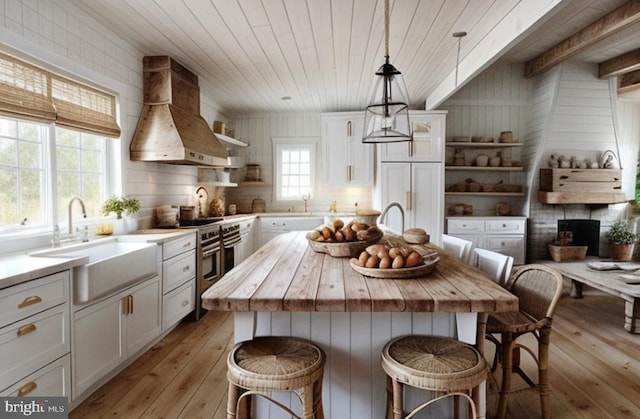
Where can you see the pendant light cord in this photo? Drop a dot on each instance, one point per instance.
(386, 29)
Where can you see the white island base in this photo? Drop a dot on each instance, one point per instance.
(354, 384)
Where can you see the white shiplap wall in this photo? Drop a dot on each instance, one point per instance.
(573, 114)
(64, 39)
(566, 110)
(258, 130)
(495, 101)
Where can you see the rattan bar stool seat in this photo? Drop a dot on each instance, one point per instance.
(275, 363)
(435, 363)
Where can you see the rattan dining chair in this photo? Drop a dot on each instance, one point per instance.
(269, 364)
(455, 246)
(538, 289)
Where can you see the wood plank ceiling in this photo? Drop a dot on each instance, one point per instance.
(249, 54)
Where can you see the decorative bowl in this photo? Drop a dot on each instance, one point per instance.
(342, 249)
(430, 262)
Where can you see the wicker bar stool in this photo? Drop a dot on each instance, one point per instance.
(275, 363)
(440, 364)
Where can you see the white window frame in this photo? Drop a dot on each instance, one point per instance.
(48, 193)
(280, 143)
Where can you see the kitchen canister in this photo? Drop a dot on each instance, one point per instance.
(232, 209)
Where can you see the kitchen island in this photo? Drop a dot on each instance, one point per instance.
(285, 288)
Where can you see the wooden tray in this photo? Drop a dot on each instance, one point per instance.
(342, 249)
(401, 273)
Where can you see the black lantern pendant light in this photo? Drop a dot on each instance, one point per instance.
(386, 119)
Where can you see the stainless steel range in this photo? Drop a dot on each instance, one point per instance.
(230, 239)
(209, 262)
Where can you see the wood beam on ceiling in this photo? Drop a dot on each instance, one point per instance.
(619, 65)
(609, 24)
(629, 82)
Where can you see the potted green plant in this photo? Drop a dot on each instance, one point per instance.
(120, 205)
(621, 241)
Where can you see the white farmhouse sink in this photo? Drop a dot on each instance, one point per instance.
(105, 266)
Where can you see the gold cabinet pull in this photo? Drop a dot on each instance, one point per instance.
(410, 148)
(126, 305)
(186, 268)
(348, 128)
(34, 299)
(26, 329)
(409, 201)
(349, 172)
(130, 297)
(27, 388)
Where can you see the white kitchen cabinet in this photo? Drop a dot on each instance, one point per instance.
(270, 227)
(179, 271)
(506, 235)
(52, 380)
(34, 332)
(111, 330)
(412, 174)
(428, 140)
(247, 244)
(348, 162)
(418, 187)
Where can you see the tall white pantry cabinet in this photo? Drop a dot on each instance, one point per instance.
(412, 174)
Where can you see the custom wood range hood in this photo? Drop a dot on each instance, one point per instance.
(170, 128)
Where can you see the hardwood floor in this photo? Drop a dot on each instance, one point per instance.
(595, 370)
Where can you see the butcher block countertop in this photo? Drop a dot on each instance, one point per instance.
(287, 275)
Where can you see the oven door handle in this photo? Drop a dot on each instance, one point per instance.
(210, 252)
(232, 242)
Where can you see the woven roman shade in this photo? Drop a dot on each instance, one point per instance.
(29, 91)
(25, 90)
(79, 106)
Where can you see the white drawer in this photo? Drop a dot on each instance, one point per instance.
(503, 243)
(23, 300)
(29, 344)
(178, 270)
(505, 226)
(177, 246)
(52, 380)
(465, 226)
(177, 304)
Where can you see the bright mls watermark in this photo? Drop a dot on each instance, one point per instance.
(34, 407)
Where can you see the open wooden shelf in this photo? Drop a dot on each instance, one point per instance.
(461, 144)
(255, 184)
(486, 169)
(484, 193)
(581, 197)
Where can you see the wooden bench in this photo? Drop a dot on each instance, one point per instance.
(608, 281)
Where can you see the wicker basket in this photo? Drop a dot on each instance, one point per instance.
(562, 253)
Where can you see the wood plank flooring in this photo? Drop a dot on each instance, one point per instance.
(595, 370)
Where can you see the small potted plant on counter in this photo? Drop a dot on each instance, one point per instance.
(621, 241)
(120, 206)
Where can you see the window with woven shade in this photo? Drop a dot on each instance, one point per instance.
(28, 91)
(54, 144)
(25, 90)
(84, 108)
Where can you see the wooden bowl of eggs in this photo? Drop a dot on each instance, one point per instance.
(340, 240)
(393, 262)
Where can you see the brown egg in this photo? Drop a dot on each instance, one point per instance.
(414, 259)
(349, 235)
(385, 262)
(394, 251)
(362, 260)
(372, 262)
(326, 233)
(398, 262)
(339, 236)
(383, 253)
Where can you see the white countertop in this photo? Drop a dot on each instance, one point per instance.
(20, 267)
